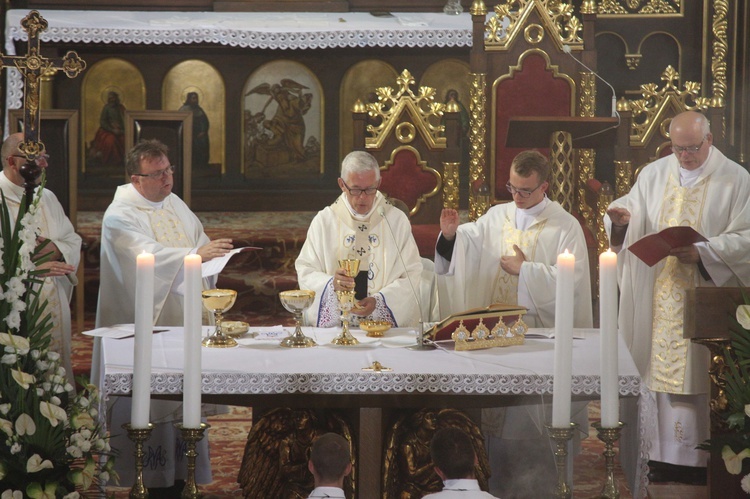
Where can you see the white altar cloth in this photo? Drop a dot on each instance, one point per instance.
(262, 367)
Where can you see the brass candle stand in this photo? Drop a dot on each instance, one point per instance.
(138, 436)
(561, 437)
(609, 436)
(191, 436)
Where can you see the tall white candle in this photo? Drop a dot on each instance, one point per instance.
(191, 388)
(608, 337)
(144, 326)
(563, 371)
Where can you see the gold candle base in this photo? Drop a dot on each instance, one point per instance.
(609, 436)
(138, 436)
(191, 436)
(561, 437)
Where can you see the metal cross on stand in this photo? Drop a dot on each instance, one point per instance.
(32, 67)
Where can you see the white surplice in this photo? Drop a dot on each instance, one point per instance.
(474, 278)
(170, 231)
(335, 234)
(56, 227)
(715, 200)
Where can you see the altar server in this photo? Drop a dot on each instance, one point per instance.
(509, 255)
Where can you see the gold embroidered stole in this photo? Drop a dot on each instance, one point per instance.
(506, 285)
(669, 350)
(168, 229)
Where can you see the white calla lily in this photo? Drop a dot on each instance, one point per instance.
(54, 413)
(22, 378)
(36, 463)
(25, 425)
(732, 461)
(743, 316)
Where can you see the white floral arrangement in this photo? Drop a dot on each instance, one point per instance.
(734, 445)
(51, 444)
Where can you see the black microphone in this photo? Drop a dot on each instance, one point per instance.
(420, 338)
(615, 114)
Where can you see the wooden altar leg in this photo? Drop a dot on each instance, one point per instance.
(370, 451)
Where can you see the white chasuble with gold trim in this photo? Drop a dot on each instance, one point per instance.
(506, 288)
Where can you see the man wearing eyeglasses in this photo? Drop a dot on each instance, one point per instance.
(361, 224)
(509, 255)
(59, 271)
(146, 216)
(700, 187)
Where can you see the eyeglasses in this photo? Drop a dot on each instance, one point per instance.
(690, 150)
(44, 157)
(358, 192)
(524, 193)
(158, 174)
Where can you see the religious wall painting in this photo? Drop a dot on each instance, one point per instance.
(196, 86)
(175, 130)
(110, 87)
(282, 128)
(359, 83)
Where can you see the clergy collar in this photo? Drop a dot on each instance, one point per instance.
(461, 484)
(536, 209)
(155, 205)
(688, 178)
(358, 217)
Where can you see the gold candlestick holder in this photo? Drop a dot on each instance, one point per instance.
(191, 436)
(561, 437)
(609, 436)
(138, 436)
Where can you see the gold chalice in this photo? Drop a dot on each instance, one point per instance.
(346, 303)
(219, 301)
(296, 301)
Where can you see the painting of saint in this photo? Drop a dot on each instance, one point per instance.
(201, 144)
(108, 147)
(282, 123)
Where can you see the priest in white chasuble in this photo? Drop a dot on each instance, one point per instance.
(509, 255)
(361, 224)
(697, 186)
(59, 271)
(146, 216)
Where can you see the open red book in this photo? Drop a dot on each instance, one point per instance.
(652, 248)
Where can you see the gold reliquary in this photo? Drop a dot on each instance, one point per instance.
(497, 325)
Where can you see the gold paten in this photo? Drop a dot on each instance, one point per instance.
(425, 112)
(375, 329)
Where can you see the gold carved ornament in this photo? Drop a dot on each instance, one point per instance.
(450, 185)
(639, 7)
(659, 105)
(477, 136)
(424, 111)
(510, 20)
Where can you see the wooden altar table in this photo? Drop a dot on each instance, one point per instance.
(259, 373)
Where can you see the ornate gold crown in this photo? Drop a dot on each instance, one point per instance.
(481, 337)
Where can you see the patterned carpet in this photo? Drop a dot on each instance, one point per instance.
(259, 276)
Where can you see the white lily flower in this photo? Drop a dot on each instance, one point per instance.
(745, 483)
(53, 413)
(6, 427)
(4, 409)
(732, 461)
(22, 378)
(14, 340)
(25, 425)
(743, 316)
(11, 494)
(36, 463)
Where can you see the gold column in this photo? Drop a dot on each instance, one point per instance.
(720, 47)
(477, 137)
(623, 177)
(450, 185)
(561, 159)
(586, 157)
(603, 200)
(46, 88)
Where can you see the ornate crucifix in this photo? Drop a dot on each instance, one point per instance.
(32, 67)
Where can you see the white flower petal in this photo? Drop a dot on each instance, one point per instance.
(25, 425)
(743, 316)
(35, 463)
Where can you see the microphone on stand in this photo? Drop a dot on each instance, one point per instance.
(615, 114)
(420, 345)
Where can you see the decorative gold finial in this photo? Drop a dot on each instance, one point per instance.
(588, 7)
(478, 8)
(359, 107)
